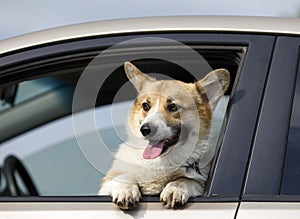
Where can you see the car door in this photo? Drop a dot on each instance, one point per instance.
(222, 196)
(272, 182)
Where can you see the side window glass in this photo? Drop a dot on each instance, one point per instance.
(31, 89)
(291, 171)
(18, 93)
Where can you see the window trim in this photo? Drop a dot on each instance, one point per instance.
(232, 154)
(286, 153)
(100, 199)
(271, 136)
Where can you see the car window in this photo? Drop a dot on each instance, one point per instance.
(39, 127)
(30, 89)
(291, 170)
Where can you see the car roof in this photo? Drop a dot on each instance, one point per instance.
(266, 25)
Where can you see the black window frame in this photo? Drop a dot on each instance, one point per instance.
(264, 177)
(226, 182)
(287, 185)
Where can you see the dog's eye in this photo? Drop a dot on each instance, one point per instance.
(172, 107)
(146, 106)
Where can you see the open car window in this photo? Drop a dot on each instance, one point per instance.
(39, 127)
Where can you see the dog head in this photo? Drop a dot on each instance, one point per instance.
(167, 112)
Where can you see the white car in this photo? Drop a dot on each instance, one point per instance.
(65, 99)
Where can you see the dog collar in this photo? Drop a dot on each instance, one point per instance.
(193, 172)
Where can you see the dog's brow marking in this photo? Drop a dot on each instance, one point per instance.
(155, 110)
(156, 107)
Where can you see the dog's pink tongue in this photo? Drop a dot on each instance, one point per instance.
(153, 151)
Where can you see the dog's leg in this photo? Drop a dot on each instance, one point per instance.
(124, 191)
(179, 191)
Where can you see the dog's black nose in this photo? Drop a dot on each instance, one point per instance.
(145, 130)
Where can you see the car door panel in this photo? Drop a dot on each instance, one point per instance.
(274, 210)
(109, 210)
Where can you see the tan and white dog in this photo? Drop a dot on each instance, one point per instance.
(169, 127)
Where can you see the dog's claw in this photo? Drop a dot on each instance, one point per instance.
(177, 204)
(120, 204)
(126, 205)
(130, 205)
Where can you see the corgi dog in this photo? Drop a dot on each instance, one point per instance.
(168, 130)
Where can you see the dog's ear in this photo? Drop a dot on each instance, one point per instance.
(213, 86)
(135, 76)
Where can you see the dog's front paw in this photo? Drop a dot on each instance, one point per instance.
(174, 195)
(126, 196)
(178, 192)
